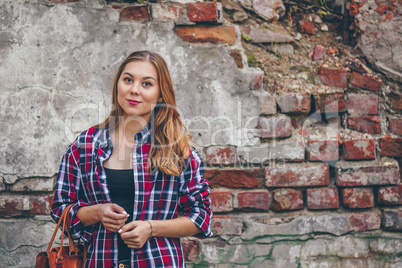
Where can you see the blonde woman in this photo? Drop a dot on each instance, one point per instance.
(135, 180)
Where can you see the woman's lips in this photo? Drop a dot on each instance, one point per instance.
(133, 102)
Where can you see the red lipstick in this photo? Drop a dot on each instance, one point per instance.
(133, 102)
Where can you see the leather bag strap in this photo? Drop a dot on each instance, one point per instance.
(62, 219)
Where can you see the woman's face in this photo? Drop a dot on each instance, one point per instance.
(138, 90)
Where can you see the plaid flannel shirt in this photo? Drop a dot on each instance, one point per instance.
(157, 196)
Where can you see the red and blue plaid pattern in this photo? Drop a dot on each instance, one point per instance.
(157, 196)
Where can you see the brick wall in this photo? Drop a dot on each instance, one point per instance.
(322, 186)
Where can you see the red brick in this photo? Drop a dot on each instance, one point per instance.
(379, 172)
(233, 178)
(165, 12)
(254, 200)
(395, 126)
(322, 198)
(307, 27)
(11, 207)
(358, 197)
(41, 205)
(275, 127)
(135, 13)
(291, 175)
(325, 151)
(330, 102)
(202, 12)
(226, 225)
(366, 124)
(256, 76)
(221, 201)
(395, 100)
(207, 34)
(319, 52)
(391, 147)
(333, 77)
(362, 104)
(359, 149)
(364, 81)
(221, 155)
(238, 57)
(390, 195)
(190, 250)
(17, 206)
(294, 103)
(365, 221)
(287, 199)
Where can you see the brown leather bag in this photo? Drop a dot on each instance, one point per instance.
(63, 256)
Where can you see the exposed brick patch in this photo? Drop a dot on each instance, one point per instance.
(256, 76)
(359, 149)
(287, 199)
(391, 147)
(237, 56)
(327, 150)
(395, 100)
(307, 27)
(253, 200)
(362, 104)
(392, 220)
(221, 201)
(319, 52)
(365, 221)
(221, 155)
(379, 172)
(395, 126)
(330, 102)
(226, 225)
(364, 81)
(202, 12)
(211, 34)
(190, 250)
(291, 175)
(367, 124)
(294, 103)
(135, 13)
(358, 197)
(390, 195)
(333, 77)
(164, 12)
(233, 178)
(275, 127)
(16, 206)
(322, 198)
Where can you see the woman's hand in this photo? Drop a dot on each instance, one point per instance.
(135, 233)
(112, 216)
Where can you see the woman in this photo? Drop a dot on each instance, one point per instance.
(130, 176)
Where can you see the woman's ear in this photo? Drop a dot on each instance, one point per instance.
(160, 100)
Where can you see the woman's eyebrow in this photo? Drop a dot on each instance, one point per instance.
(147, 77)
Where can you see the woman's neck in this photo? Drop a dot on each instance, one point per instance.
(131, 126)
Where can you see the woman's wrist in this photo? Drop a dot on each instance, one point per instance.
(152, 228)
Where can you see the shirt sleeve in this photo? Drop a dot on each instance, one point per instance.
(194, 195)
(66, 193)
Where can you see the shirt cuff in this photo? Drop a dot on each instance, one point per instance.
(201, 220)
(77, 228)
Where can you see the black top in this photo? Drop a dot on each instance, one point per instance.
(121, 186)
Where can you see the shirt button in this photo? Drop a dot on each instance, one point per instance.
(121, 265)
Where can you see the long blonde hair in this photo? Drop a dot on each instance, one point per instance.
(171, 143)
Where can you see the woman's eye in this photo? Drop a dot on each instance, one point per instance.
(128, 80)
(147, 84)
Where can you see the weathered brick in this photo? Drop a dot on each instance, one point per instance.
(367, 124)
(294, 103)
(221, 201)
(358, 197)
(391, 147)
(16, 206)
(364, 221)
(164, 12)
(233, 178)
(364, 81)
(135, 13)
(41, 205)
(395, 126)
(330, 102)
(392, 220)
(290, 150)
(319, 52)
(256, 77)
(33, 184)
(202, 12)
(253, 200)
(322, 198)
(307, 27)
(207, 34)
(238, 57)
(378, 172)
(221, 155)
(326, 150)
(291, 175)
(267, 102)
(333, 77)
(287, 199)
(395, 100)
(190, 250)
(226, 225)
(359, 149)
(362, 104)
(275, 127)
(390, 195)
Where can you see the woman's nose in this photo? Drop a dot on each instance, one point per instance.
(135, 89)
